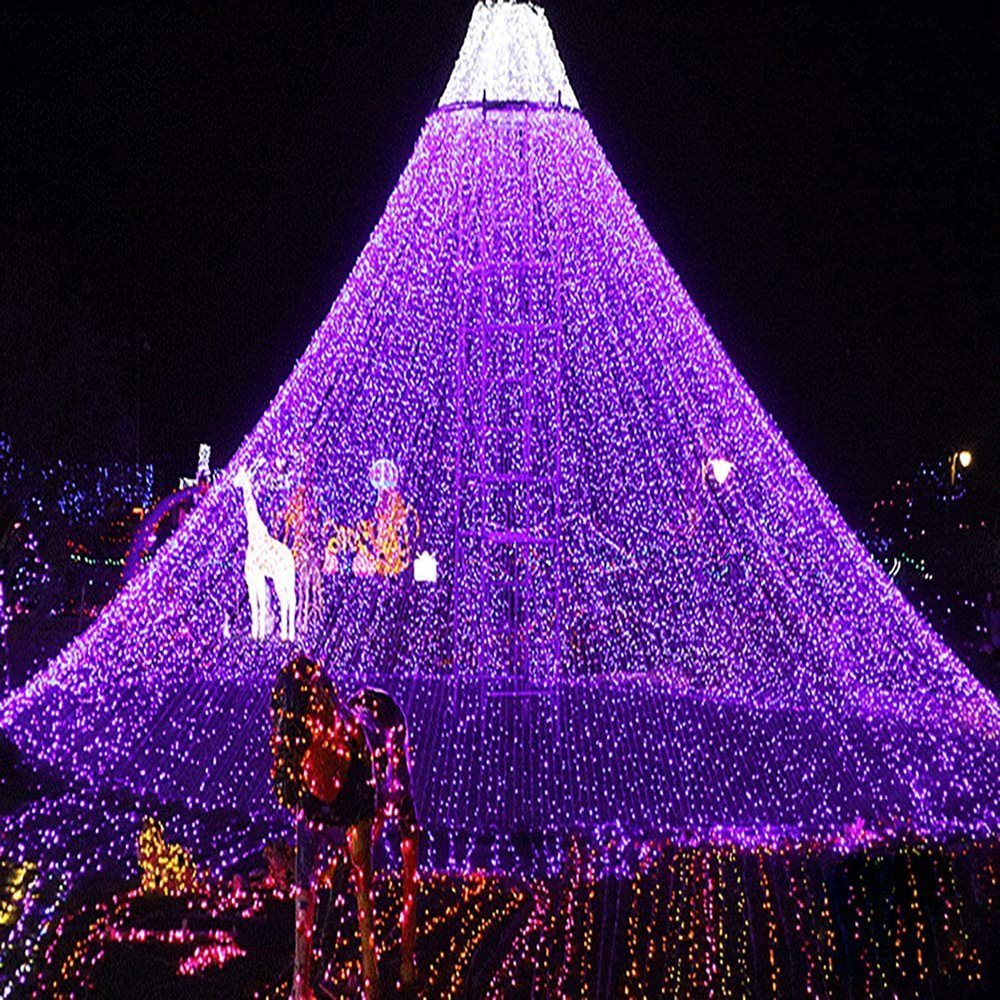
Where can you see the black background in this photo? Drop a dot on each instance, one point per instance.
(186, 188)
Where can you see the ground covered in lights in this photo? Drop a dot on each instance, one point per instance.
(614, 919)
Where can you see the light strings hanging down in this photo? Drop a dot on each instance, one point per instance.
(647, 616)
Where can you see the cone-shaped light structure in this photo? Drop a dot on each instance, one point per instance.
(643, 612)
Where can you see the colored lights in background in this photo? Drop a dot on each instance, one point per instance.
(935, 533)
(680, 919)
(64, 530)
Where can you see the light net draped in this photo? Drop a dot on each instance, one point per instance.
(646, 613)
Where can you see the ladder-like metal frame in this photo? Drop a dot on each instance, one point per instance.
(507, 591)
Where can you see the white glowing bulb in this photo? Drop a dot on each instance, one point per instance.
(384, 474)
(721, 468)
(965, 459)
(425, 568)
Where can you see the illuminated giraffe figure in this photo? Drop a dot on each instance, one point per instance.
(266, 559)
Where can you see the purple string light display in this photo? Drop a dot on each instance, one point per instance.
(644, 614)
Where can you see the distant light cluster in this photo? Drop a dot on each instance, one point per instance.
(81, 492)
(44, 504)
(926, 522)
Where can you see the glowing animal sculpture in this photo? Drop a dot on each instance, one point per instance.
(340, 767)
(300, 531)
(167, 869)
(266, 559)
(382, 545)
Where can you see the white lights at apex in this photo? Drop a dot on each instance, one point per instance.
(509, 54)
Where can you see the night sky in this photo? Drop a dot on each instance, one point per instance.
(185, 188)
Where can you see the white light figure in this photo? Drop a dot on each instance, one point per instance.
(204, 463)
(203, 475)
(721, 468)
(425, 568)
(267, 559)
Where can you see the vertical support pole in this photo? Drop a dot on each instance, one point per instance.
(305, 912)
(359, 846)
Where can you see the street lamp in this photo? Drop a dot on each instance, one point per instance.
(962, 458)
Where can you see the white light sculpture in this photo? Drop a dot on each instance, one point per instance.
(266, 559)
(721, 469)
(425, 568)
(203, 474)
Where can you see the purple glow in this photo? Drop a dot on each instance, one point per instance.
(615, 639)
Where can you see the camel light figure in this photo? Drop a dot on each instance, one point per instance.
(343, 769)
(266, 559)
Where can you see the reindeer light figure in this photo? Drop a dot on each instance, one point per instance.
(266, 559)
(343, 767)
